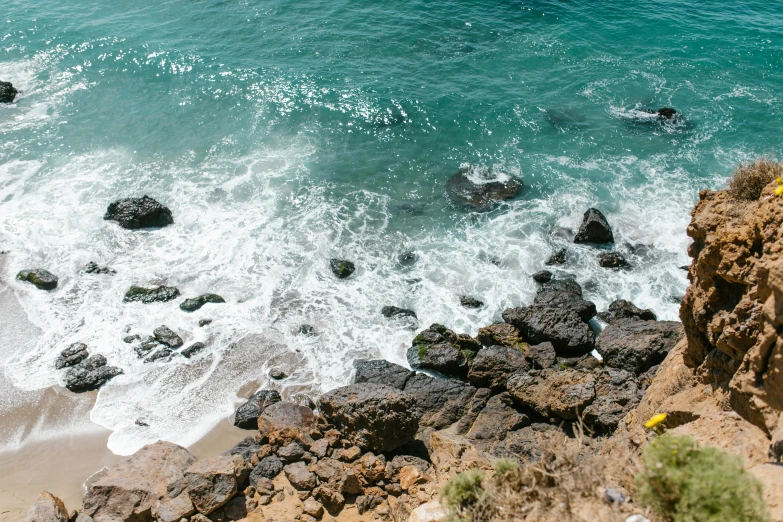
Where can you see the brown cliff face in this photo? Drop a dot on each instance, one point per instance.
(733, 310)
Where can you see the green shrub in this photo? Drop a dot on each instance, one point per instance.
(749, 180)
(683, 482)
(505, 466)
(462, 493)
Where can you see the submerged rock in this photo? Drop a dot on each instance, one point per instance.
(307, 329)
(612, 260)
(246, 416)
(594, 228)
(74, 354)
(621, 309)
(93, 268)
(542, 276)
(135, 213)
(192, 350)
(42, 279)
(481, 190)
(164, 335)
(558, 258)
(470, 302)
(191, 305)
(90, 374)
(393, 311)
(375, 417)
(7, 92)
(407, 258)
(160, 294)
(341, 268)
(569, 334)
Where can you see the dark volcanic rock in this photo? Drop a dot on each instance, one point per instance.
(7, 92)
(74, 354)
(585, 362)
(561, 285)
(439, 402)
(443, 358)
(612, 260)
(300, 477)
(191, 305)
(378, 371)
(134, 213)
(542, 276)
(246, 416)
(90, 374)
(616, 393)
(622, 309)
(542, 355)
(163, 353)
(558, 258)
(164, 335)
(160, 294)
(667, 113)
(496, 419)
(268, 467)
(93, 268)
(494, 365)
(554, 392)
(407, 258)
(375, 417)
(307, 329)
(393, 311)
(568, 301)
(563, 328)
(246, 448)
(192, 350)
(530, 443)
(277, 374)
(286, 416)
(480, 190)
(42, 279)
(470, 302)
(635, 345)
(594, 228)
(342, 268)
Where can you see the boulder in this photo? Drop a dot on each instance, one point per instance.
(329, 470)
(617, 392)
(163, 353)
(542, 355)
(393, 311)
(135, 213)
(267, 468)
(212, 482)
(395, 465)
(497, 418)
(480, 190)
(470, 302)
(554, 392)
(564, 328)
(192, 350)
(443, 358)
(42, 279)
(562, 285)
(93, 268)
(621, 309)
(612, 260)
(7, 92)
(379, 371)
(204, 322)
(129, 490)
(330, 498)
(500, 334)
(300, 477)
(583, 362)
(667, 113)
(246, 416)
(375, 417)
(164, 335)
(431, 511)
(636, 345)
(236, 509)
(195, 303)
(558, 258)
(245, 448)
(594, 228)
(341, 268)
(174, 509)
(313, 508)
(90, 374)
(494, 365)
(542, 276)
(74, 354)
(160, 294)
(438, 402)
(347, 454)
(566, 300)
(530, 443)
(371, 467)
(48, 508)
(286, 421)
(291, 452)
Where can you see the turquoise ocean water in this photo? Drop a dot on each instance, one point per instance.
(285, 133)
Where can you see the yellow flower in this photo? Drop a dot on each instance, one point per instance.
(655, 420)
(779, 181)
(779, 190)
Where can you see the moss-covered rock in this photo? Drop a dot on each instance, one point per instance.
(159, 294)
(193, 304)
(342, 268)
(42, 279)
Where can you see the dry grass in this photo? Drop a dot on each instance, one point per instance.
(750, 179)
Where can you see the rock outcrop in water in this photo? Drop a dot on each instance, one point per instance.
(594, 228)
(7, 92)
(42, 279)
(341, 268)
(136, 213)
(90, 374)
(480, 190)
(196, 303)
(159, 294)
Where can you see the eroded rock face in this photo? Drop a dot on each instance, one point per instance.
(554, 392)
(480, 189)
(375, 417)
(47, 508)
(286, 422)
(494, 365)
(635, 345)
(39, 277)
(500, 334)
(130, 490)
(246, 416)
(569, 334)
(732, 310)
(212, 482)
(379, 371)
(135, 213)
(594, 228)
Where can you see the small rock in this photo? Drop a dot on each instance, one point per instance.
(160, 294)
(74, 354)
(135, 213)
(542, 355)
(306, 329)
(212, 482)
(267, 468)
(236, 508)
(90, 374)
(204, 322)
(7, 92)
(429, 512)
(331, 499)
(621, 309)
(42, 279)
(164, 335)
(163, 353)
(277, 374)
(400, 461)
(129, 339)
(320, 448)
(612, 260)
(246, 416)
(291, 452)
(47, 508)
(313, 508)
(470, 302)
(411, 476)
(365, 503)
(594, 228)
(500, 334)
(542, 276)
(351, 482)
(191, 305)
(342, 268)
(614, 496)
(93, 268)
(558, 258)
(348, 454)
(300, 477)
(174, 509)
(408, 258)
(393, 311)
(192, 350)
(372, 467)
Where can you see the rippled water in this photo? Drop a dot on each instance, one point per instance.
(282, 134)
